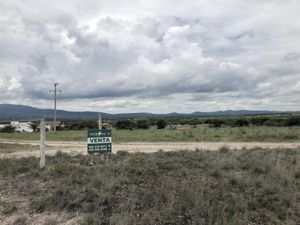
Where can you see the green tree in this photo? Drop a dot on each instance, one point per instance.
(292, 121)
(241, 122)
(215, 122)
(8, 129)
(161, 124)
(125, 124)
(34, 126)
(142, 124)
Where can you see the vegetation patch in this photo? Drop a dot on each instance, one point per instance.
(222, 187)
(176, 134)
(10, 148)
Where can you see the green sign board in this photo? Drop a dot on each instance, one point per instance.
(99, 141)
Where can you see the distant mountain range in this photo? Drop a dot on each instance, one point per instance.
(22, 112)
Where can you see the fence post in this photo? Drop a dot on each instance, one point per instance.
(42, 143)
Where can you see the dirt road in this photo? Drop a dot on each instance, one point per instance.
(80, 147)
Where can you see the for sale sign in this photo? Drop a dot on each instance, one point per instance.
(99, 141)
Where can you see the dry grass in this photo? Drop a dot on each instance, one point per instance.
(223, 187)
(10, 148)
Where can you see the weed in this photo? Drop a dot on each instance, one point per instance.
(254, 186)
(50, 221)
(20, 220)
(224, 149)
(9, 209)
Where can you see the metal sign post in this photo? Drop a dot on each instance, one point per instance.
(99, 141)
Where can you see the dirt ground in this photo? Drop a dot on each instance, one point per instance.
(148, 147)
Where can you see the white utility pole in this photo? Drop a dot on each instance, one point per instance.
(42, 143)
(99, 121)
(55, 91)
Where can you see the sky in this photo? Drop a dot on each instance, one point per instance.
(156, 56)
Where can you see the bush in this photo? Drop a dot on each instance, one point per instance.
(215, 122)
(142, 124)
(80, 125)
(125, 124)
(275, 122)
(241, 122)
(194, 121)
(224, 149)
(8, 129)
(292, 121)
(34, 126)
(258, 121)
(161, 124)
(20, 220)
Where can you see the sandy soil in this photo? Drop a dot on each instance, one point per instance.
(80, 147)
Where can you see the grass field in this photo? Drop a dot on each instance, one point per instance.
(222, 187)
(10, 148)
(276, 134)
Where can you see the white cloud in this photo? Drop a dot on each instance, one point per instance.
(13, 84)
(122, 55)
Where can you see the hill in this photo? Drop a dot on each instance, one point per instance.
(22, 112)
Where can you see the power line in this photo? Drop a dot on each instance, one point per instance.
(55, 93)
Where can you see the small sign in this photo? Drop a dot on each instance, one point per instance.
(99, 141)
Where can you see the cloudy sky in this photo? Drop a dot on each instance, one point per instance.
(155, 56)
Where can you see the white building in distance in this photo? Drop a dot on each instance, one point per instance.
(22, 126)
(19, 126)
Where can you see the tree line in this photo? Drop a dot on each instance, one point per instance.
(161, 123)
(128, 124)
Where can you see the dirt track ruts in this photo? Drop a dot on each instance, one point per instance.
(80, 147)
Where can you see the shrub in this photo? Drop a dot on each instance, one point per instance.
(34, 126)
(20, 220)
(224, 149)
(161, 124)
(241, 122)
(125, 124)
(194, 121)
(8, 129)
(292, 121)
(80, 125)
(50, 221)
(9, 209)
(258, 121)
(142, 124)
(215, 122)
(275, 122)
